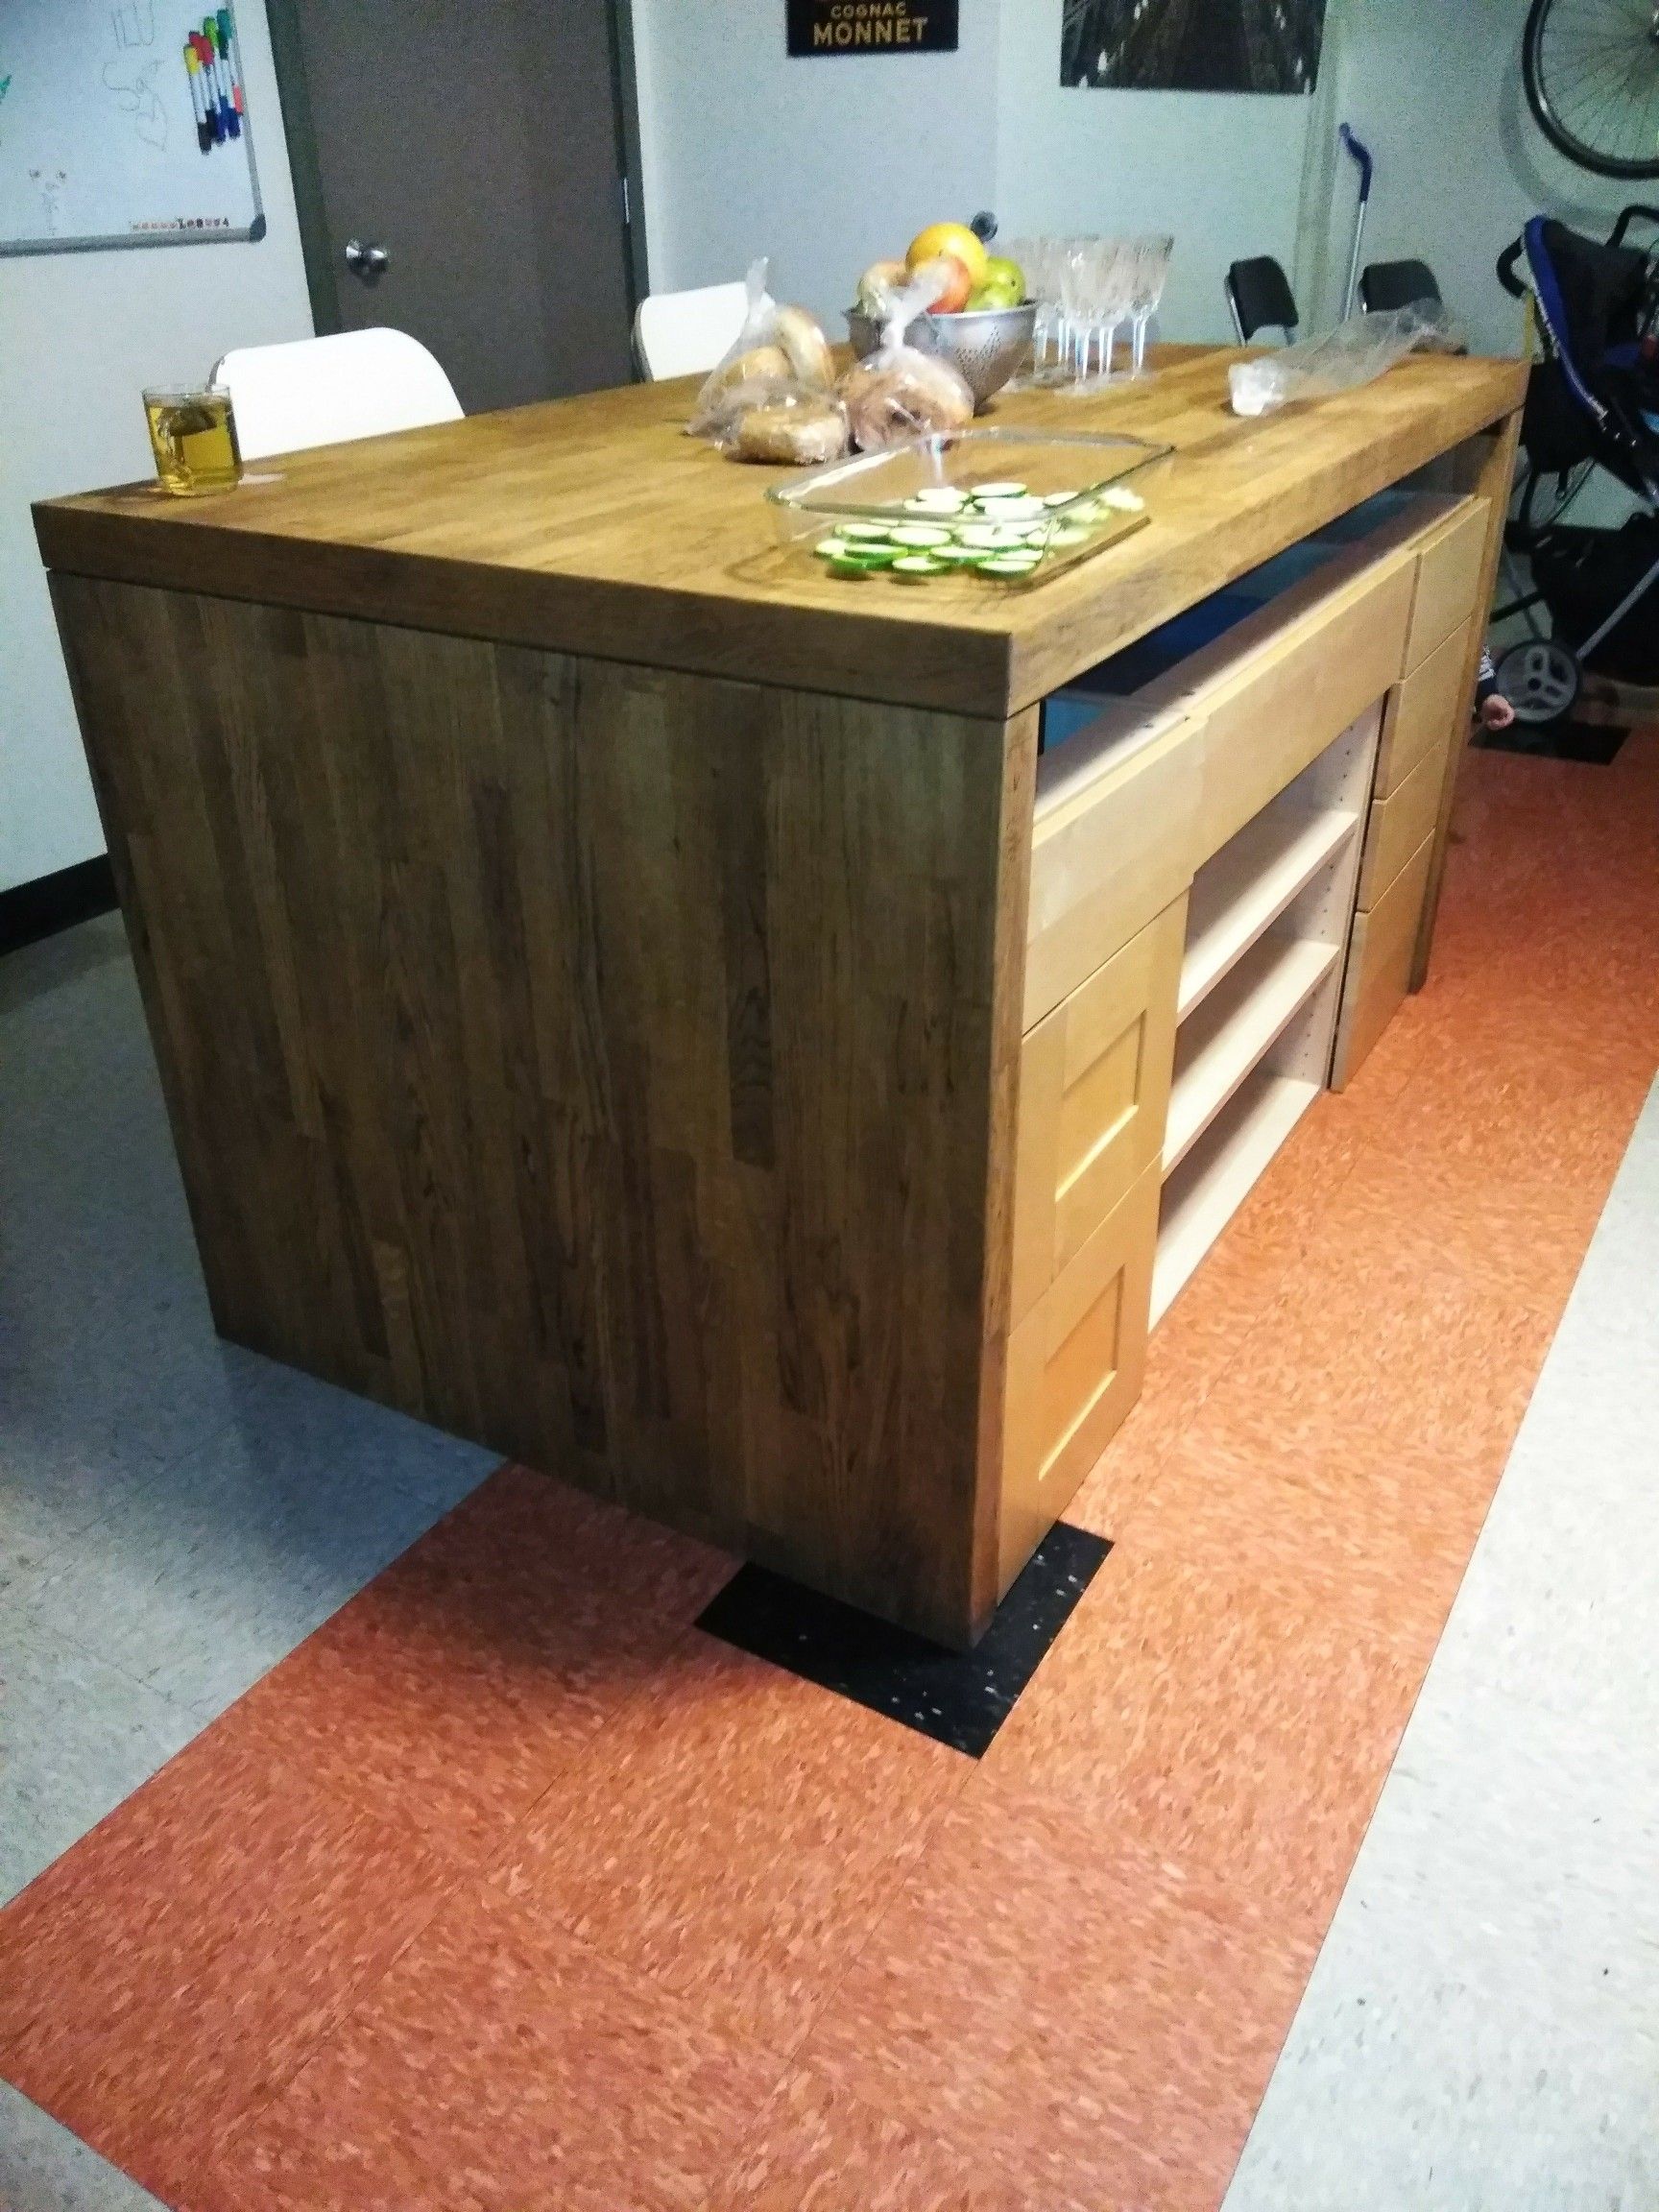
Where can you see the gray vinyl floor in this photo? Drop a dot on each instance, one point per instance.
(1483, 2027)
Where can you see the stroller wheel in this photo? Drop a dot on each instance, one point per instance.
(1540, 679)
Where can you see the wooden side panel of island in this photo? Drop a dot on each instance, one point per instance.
(613, 1065)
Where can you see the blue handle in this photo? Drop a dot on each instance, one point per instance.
(1362, 154)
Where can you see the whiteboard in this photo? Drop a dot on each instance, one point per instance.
(108, 137)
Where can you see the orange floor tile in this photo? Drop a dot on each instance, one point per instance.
(511, 1890)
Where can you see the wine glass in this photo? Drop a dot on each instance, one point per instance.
(1080, 298)
(1151, 274)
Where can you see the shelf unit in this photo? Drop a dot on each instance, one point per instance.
(1210, 1184)
(1235, 1028)
(1269, 919)
(1244, 890)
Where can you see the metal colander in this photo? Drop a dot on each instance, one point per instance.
(985, 346)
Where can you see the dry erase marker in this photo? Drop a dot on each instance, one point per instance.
(228, 47)
(221, 36)
(199, 98)
(215, 109)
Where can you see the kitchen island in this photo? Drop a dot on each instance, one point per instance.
(640, 1001)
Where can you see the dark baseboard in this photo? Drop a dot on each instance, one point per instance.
(56, 901)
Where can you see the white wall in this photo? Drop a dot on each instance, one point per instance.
(828, 165)
(825, 165)
(1222, 172)
(79, 335)
(1435, 91)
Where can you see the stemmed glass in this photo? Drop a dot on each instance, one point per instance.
(1149, 275)
(1097, 295)
(1041, 259)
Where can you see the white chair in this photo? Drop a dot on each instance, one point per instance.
(324, 391)
(685, 333)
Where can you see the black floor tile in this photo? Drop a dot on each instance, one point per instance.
(958, 1697)
(1595, 744)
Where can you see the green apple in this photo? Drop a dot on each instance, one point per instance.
(1002, 285)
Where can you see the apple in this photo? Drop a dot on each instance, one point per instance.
(954, 238)
(878, 282)
(953, 281)
(1002, 285)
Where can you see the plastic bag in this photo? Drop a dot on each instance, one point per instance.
(777, 369)
(895, 392)
(1355, 353)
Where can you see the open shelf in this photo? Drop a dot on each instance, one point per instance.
(1210, 1186)
(1233, 1028)
(1240, 894)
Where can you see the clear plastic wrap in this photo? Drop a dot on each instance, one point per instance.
(769, 398)
(895, 392)
(1355, 353)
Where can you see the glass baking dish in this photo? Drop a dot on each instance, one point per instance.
(1008, 507)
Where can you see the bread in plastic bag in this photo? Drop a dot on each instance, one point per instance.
(895, 392)
(780, 359)
(1355, 353)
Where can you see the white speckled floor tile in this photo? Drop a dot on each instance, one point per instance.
(1482, 2031)
(77, 1736)
(45, 2169)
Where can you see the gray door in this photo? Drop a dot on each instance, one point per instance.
(461, 173)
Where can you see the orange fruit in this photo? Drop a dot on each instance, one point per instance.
(954, 238)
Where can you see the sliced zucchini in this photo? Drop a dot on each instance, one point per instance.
(1009, 565)
(1058, 498)
(863, 533)
(914, 567)
(847, 567)
(831, 548)
(920, 537)
(1069, 533)
(999, 490)
(1121, 496)
(937, 498)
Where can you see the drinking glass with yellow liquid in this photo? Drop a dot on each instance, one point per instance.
(193, 435)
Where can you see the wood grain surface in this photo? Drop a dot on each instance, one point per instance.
(593, 525)
(612, 1066)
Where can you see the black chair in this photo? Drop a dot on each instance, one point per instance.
(1259, 297)
(1387, 285)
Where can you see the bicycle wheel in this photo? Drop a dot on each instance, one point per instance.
(1591, 71)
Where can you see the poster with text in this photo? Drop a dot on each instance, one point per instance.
(1193, 45)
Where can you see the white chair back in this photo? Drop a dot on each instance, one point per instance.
(324, 391)
(685, 333)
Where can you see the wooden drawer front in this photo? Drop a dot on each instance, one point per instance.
(1380, 963)
(1076, 1365)
(1093, 1089)
(1422, 713)
(1108, 860)
(1267, 720)
(1448, 573)
(1399, 824)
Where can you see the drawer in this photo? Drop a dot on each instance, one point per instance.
(1450, 571)
(1398, 824)
(1106, 859)
(1423, 711)
(1267, 718)
(1093, 1091)
(1076, 1365)
(1380, 964)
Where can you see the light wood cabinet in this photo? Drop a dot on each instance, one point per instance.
(1076, 1365)
(1450, 579)
(1380, 963)
(1422, 713)
(1094, 1091)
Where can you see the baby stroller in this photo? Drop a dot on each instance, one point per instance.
(1593, 403)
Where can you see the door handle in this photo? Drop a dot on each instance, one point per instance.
(368, 262)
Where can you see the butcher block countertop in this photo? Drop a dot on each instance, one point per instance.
(595, 525)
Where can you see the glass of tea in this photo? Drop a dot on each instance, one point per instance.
(193, 436)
